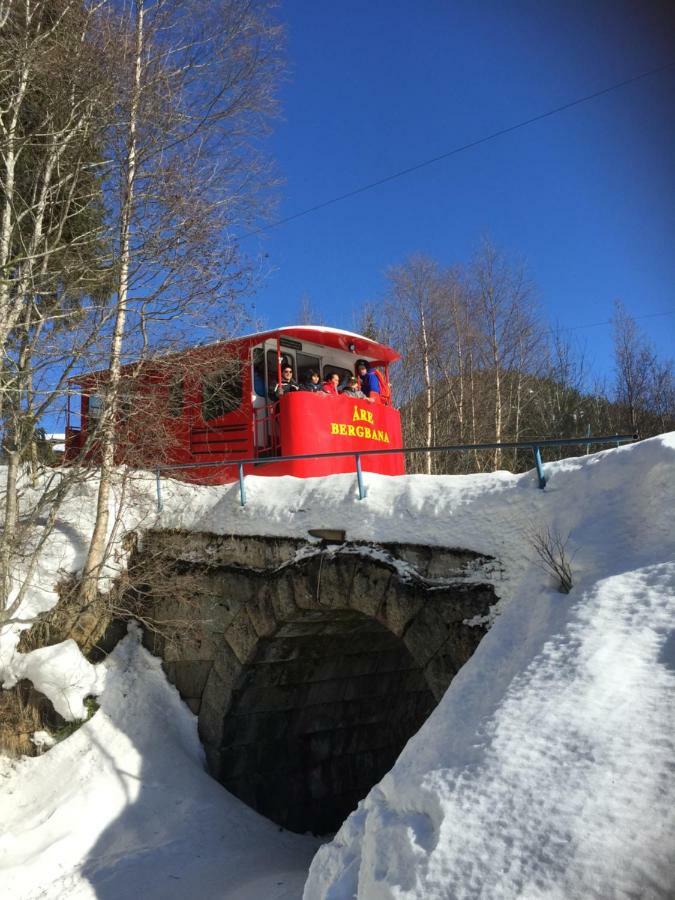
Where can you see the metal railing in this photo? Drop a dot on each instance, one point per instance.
(535, 446)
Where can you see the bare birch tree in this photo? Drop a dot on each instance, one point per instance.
(644, 384)
(511, 339)
(415, 315)
(53, 263)
(196, 89)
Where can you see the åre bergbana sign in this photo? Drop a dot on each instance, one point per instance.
(361, 430)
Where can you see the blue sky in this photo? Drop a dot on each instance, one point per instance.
(586, 198)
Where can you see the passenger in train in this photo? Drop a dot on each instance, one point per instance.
(287, 384)
(368, 380)
(330, 385)
(352, 389)
(313, 383)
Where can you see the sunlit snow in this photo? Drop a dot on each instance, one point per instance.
(547, 770)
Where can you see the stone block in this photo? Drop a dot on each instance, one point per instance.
(278, 756)
(169, 670)
(217, 696)
(370, 586)
(283, 596)
(278, 649)
(211, 719)
(400, 605)
(439, 672)
(321, 692)
(320, 746)
(426, 633)
(260, 609)
(237, 761)
(190, 677)
(315, 719)
(212, 758)
(317, 783)
(463, 601)
(241, 636)
(268, 698)
(331, 580)
(305, 578)
(227, 666)
(243, 728)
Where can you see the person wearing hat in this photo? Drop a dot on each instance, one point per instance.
(352, 389)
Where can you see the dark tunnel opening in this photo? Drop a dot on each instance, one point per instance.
(319, 716)
(310, 668)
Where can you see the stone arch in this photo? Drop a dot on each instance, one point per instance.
(314, 668)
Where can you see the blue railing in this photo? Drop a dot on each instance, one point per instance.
(535, 446)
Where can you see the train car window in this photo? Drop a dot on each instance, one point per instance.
(94, 409)
(221, 394)
(175, 398)
(343, 373)
(125, 405)
(127, 398)
(305, 363)
(259, 372)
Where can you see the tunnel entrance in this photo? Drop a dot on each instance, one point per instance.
(319, 717)
(310, 666)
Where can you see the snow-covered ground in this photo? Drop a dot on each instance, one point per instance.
(547, 771)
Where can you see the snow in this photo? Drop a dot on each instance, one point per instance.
(61, 673)
(547, 770)
(58, 441)
(124, 808)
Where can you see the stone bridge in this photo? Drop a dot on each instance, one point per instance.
(310, 665)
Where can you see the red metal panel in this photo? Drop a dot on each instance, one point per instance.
(323, 423)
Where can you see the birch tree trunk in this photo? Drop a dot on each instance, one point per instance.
(97, 547)
(428, 388)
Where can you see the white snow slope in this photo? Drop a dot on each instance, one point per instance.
(547, 770)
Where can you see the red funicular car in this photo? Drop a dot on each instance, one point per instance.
(215, 404)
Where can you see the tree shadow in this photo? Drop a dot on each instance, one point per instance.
(179, 833)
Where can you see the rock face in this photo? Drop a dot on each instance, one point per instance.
(310, 666)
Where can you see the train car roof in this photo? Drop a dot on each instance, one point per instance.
(328, 337)
(335, 338)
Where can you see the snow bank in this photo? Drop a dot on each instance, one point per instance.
(124, 808)
(61, 673)
(546, 771)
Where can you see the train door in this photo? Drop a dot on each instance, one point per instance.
(276, 360)
(260, 402)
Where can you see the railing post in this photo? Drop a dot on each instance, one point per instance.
(242, 486)
(359, 476)
(159, 491)
(540, 468)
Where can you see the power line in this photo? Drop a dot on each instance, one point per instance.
(611, 321)
(454, 151)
